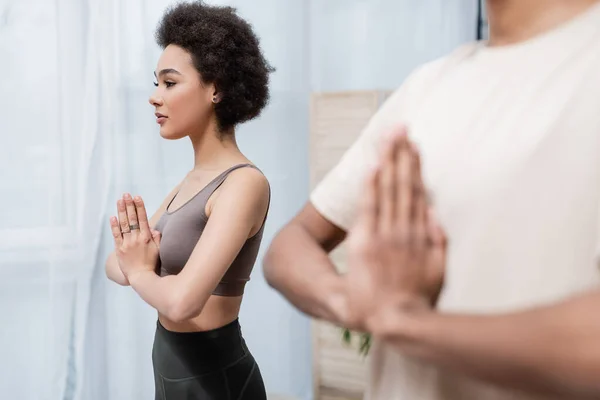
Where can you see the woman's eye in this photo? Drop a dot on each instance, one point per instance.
(167, 84)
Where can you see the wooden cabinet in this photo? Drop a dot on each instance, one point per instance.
(337, 119)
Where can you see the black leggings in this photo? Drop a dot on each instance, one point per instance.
(211, 365)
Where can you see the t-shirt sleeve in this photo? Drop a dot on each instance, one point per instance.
(337, 195)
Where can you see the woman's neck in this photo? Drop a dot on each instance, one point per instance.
(214, 151)
(514, 21)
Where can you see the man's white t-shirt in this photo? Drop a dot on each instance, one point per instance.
(510, 142)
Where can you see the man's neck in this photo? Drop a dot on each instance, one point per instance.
(514, 21)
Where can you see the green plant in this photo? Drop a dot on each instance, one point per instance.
(364, 340)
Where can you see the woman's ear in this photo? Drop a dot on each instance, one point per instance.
(216, 96)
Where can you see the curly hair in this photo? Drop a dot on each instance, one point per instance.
(226, 53)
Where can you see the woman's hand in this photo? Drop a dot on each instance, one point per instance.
(396, 251)
(136, 245)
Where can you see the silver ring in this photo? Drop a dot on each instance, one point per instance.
(134, 227)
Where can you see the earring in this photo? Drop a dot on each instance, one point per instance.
(214, 99)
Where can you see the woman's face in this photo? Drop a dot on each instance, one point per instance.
(183, 103)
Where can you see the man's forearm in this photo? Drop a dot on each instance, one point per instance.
(301, 270)
(552, 351)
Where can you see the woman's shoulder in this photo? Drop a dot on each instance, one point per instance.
(247, 182)
(245, 193)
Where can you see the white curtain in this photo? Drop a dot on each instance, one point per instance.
(76, 131)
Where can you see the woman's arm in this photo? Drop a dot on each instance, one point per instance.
(113, 271)
(237, 213)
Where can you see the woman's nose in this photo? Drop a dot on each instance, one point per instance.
(155, 100)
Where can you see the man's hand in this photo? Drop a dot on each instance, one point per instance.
(396, 251)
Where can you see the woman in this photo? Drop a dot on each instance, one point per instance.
(191, 260)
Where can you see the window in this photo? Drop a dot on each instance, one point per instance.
(34, 152)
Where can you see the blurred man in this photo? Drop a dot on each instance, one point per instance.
(509, 137)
